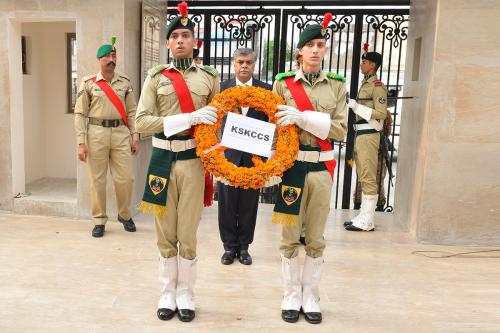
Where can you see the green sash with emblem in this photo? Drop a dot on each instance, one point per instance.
(291, 188)
(154, 200)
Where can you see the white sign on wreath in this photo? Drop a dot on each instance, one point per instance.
(248, 134)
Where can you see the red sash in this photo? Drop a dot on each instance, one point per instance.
(304, 103)
(187, 106)
(113, 98)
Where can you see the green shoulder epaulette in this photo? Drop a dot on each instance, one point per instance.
(335, 76)
(156, 69)
(210, 70)
(281, 76)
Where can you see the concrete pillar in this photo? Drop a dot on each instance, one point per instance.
(448, 184)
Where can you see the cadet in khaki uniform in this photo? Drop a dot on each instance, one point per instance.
(381, 172)
(328, 121)
(370, 114)
(175, 172)
(104, 139)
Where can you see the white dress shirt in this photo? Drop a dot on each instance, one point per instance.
(249, 83)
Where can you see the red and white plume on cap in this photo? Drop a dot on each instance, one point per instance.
(326, 20)
(183, 9)
(365, 47)
(199, 43)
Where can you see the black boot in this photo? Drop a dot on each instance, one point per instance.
(313, 317)
(186, 315)
(228, 257)
(290, 316)
(380, 208)
(165, 314)
(128, 225)
(98, 231)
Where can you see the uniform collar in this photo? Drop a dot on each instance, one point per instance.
(193, 65)
(299, 74)
(99, 77)
(370, 78)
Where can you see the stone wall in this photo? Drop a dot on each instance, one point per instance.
(448, 178)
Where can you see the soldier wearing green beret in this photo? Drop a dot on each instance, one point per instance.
(371, 111)
(105, 132)
(174, 98)
(316, 103)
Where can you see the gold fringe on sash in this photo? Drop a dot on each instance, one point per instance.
(285, 219)
(153, 209)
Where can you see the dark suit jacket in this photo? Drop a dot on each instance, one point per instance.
(237, 157)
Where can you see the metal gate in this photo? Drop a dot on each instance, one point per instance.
(273, 34)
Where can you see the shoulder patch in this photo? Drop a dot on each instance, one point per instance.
(156, 69)
(281, 76)
(377, 83)
(87, 78)
(335, 76)
(125, 77)
(210, 70)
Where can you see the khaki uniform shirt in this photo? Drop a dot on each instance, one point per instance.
(373, 94)
(326, 95)
(159, 99)
(92, 102)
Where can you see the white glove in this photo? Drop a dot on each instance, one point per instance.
(206, 115)
(222, 180)
(352, 103)
(316, 123)
(274, 180)
(290, 115)
(181, 122)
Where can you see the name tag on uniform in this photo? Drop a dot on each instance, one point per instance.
(248, 134)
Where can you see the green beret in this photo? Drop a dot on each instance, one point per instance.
(311, 32)
(373, 56)
(182, 21)
(107, 48)
(314, 31)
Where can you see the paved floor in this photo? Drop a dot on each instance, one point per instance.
(54, 277)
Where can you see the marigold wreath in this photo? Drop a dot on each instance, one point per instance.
(211, 152)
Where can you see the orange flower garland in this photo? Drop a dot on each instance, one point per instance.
(212, 154)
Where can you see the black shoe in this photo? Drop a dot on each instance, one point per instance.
(346, 223)
(357, 205)
(98, 230)
(290, 316)
(380, 208)
(165, 314)
(244, 257)
(313, 317)
(186, 315)
(228, 257)
(302, 240)
(127, 225)
(350, 227)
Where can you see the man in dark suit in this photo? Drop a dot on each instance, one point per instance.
(237, 206)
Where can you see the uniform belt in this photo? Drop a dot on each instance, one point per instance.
(314, 156)
(360, 127)
(174, 145)
(106, 122)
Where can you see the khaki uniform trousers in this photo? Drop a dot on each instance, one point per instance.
(184, 206)
(314, 209)
(109, 147)
(366, 159)
(381, 173)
